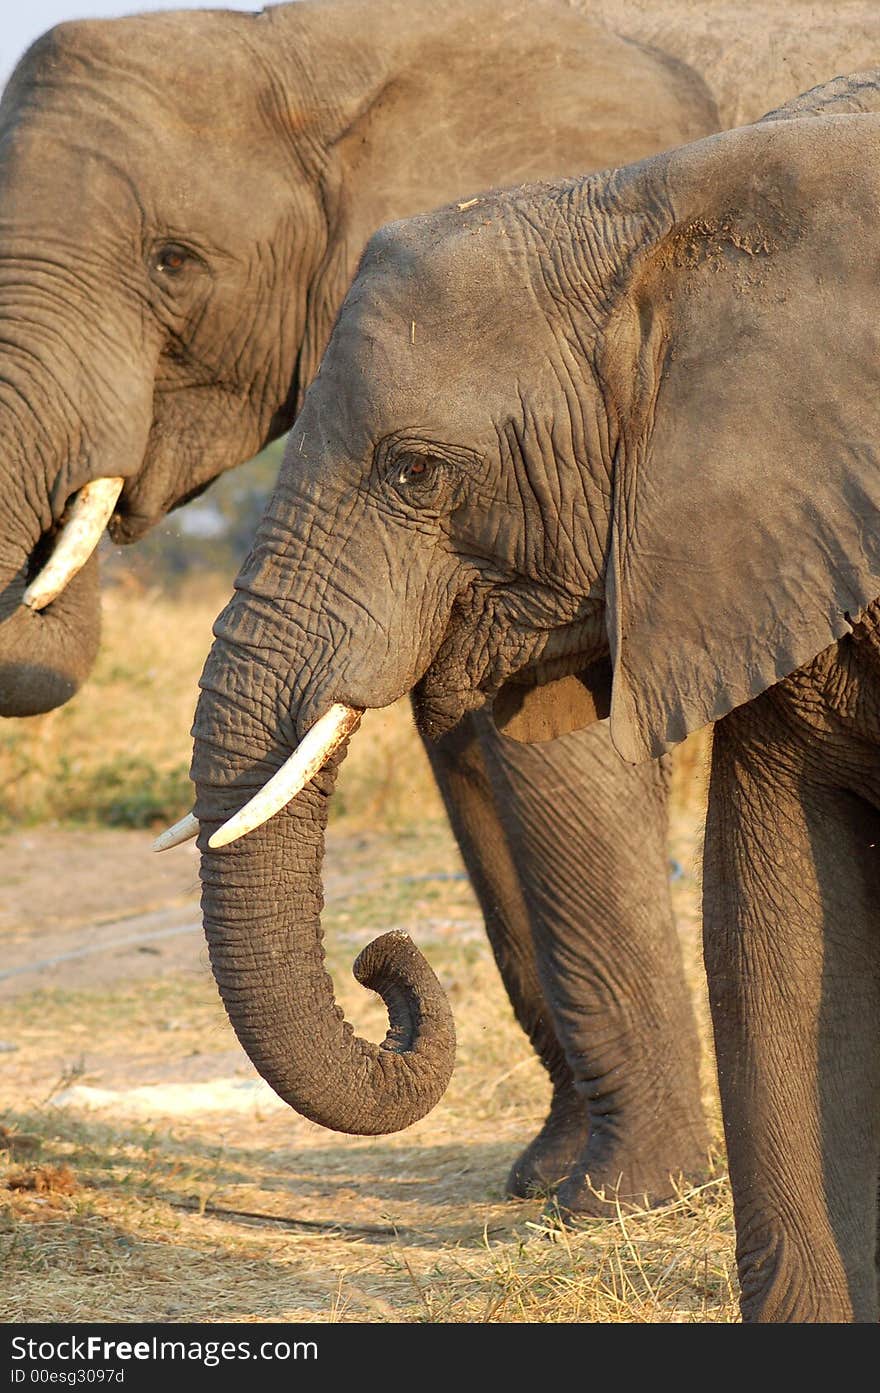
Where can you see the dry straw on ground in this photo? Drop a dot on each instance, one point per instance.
(162, 1223)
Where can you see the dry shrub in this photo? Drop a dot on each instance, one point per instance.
(42, 1180)
(18, 1144)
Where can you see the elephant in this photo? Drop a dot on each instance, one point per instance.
(654, 504)
(752, 56)
(202, 306)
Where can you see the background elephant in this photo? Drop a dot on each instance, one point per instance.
(201, 307)
(751, 55)
(672, 464)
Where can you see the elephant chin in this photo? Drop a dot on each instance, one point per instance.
(438, 712)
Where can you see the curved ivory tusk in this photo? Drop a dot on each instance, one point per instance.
(310, 755)
(89, 514)
(182, 831)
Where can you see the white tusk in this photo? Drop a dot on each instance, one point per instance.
(89, 514)
(310, 755)
(182, 831)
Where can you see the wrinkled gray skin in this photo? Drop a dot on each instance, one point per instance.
(672, 464)
(265, 150)
(122, 141)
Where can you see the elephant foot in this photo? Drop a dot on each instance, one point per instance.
(554, 1152)
(591, 1191)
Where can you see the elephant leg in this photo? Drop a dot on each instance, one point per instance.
(791, 895)
(588, 835)
(463, 777)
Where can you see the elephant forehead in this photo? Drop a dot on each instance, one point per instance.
(91, 169)
(136, 102)
(179, 65)
(83, 188)
(389, 369)
(427, 312)
(451, 265)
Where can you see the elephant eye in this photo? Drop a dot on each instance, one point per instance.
(421, 479)
(414, 469)
(171, 259)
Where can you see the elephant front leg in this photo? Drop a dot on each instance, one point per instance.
(588, 834)
(791, 890)
(463, 777)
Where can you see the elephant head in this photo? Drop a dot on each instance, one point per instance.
(145, 336)
(631, 419)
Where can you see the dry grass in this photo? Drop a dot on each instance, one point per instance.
(118, 754)
(156, 1220)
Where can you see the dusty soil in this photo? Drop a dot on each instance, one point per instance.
(80, 908)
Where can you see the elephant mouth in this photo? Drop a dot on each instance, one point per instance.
(101, 505)
(20, 579)
(61, 553)
(436, 713)
(124, 506)
(539, 702)
(574, 653)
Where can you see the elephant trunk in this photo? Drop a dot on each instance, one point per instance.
(45, 656)
(262, 900)
(59, 448)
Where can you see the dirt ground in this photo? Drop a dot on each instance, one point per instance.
(149, 1174)
(83, 908)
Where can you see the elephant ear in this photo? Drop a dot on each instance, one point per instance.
(743, 363)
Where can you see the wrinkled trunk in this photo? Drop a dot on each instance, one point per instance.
(61, 426)
(45, 657)
(262, 901)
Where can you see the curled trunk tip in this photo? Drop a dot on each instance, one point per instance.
(418, 1011)
(262, 899)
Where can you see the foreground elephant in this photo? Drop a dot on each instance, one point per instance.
(187, 230)
(670, 472)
